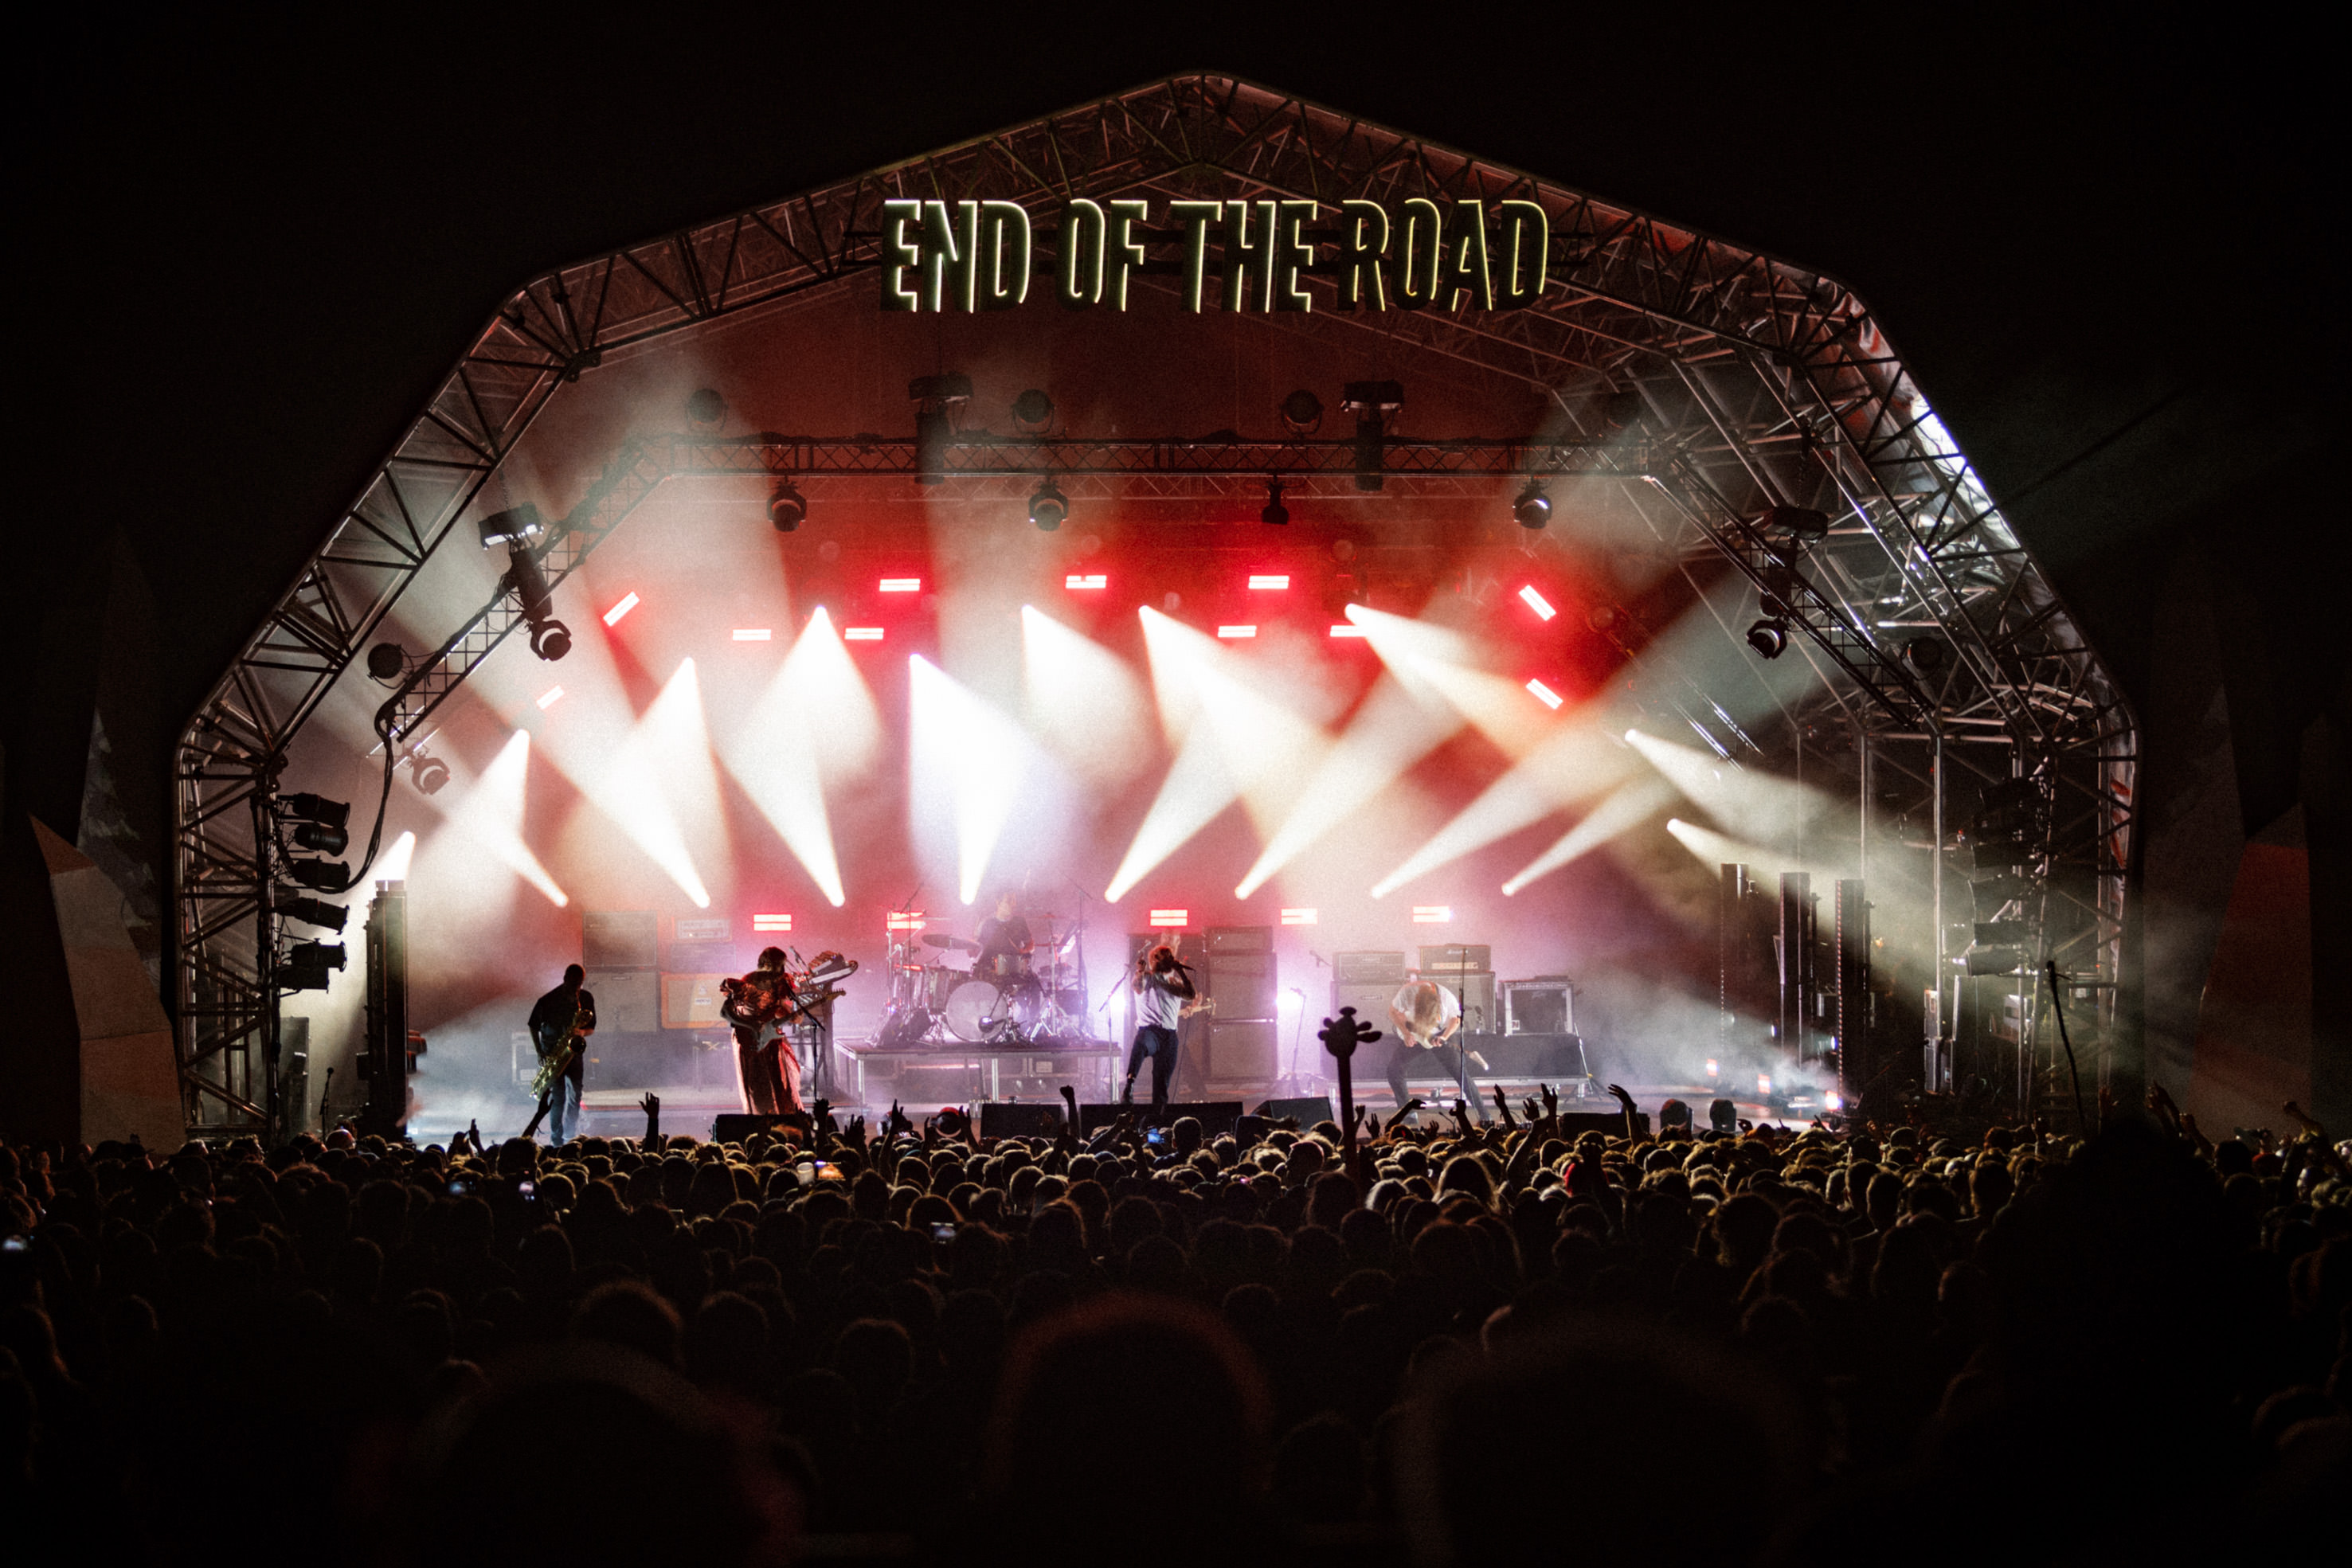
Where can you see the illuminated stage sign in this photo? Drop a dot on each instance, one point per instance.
(1248, 256)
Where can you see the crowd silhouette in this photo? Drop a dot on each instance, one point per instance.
(1435, 1340)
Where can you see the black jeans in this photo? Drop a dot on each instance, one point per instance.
(1445, 1058)
(1162, 1046)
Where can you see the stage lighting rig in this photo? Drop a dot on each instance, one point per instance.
(310, 911)
(1621, 410)
(1533, 508)
(1928, 655)
(1372, 402)
(1302, 411)
(1033, 410)
(319, 823)
(1769, 637)
(787, 508)
(1274, 512)
(549, 639)
(321, 876)
(706, 410)
(387, 663)
(429, 773)
(1048, 508)
(307, 966)
(515, 525)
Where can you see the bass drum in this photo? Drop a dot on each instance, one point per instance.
(940, 984)
(975, 1013)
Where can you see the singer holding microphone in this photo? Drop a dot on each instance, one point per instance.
(1162, 986)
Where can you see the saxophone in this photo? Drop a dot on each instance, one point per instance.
(554, 1062)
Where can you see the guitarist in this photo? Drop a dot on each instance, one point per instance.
(560, 1022)
(757, 1009)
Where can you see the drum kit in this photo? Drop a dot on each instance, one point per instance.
(1003, 1000)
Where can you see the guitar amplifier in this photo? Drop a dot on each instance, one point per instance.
(1456, 957)
(690, 1002)
(1223, 939)
(1245, 1052)
(627, 1001)
(1240, 984)
(1371, 999)
(1477, 993)
(618, 939)
(1368, 968)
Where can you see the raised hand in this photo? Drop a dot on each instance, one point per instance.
(1551, 1099)
(858, 1131)
(1503, 1104)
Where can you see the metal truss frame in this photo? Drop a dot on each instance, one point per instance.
(1762, 384)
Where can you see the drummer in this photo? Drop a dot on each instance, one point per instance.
(1005, 943)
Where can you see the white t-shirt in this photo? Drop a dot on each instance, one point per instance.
(1160, 1005)
(1429, 1017)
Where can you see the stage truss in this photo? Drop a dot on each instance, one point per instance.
(1729, 393)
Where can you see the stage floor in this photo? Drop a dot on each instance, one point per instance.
(691, 1108)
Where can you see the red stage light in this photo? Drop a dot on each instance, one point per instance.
(1346, 628)
(1298, 917)
(1085, 581)
(1270, 579)
(772, 923)
(1545, 695)
(861, 633)
(612, 616)
(1537, 603)
(550, 697)
(902, 585)
(1432, 913)
(1230, 632)
(1170, 919)
(752, 633)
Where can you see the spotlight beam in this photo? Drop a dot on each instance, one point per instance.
(1577, 764)
(972, 762)
(490, 815)
(1618, 811)
(1753, 804)
(818, 691)
(666, 757)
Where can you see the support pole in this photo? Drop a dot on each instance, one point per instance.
(1940, 1075)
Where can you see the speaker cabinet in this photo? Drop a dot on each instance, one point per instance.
(1371, 999)
(1241, 984)
(1002, 1119)
(628, 1000)
(690, 1002)
(1307, 1110)
(619, 939)
(1369, 968)
(1246, 1052)
(734, 1126)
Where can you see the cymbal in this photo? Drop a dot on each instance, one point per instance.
(942, 939)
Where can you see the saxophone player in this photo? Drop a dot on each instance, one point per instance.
(560, 1023)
